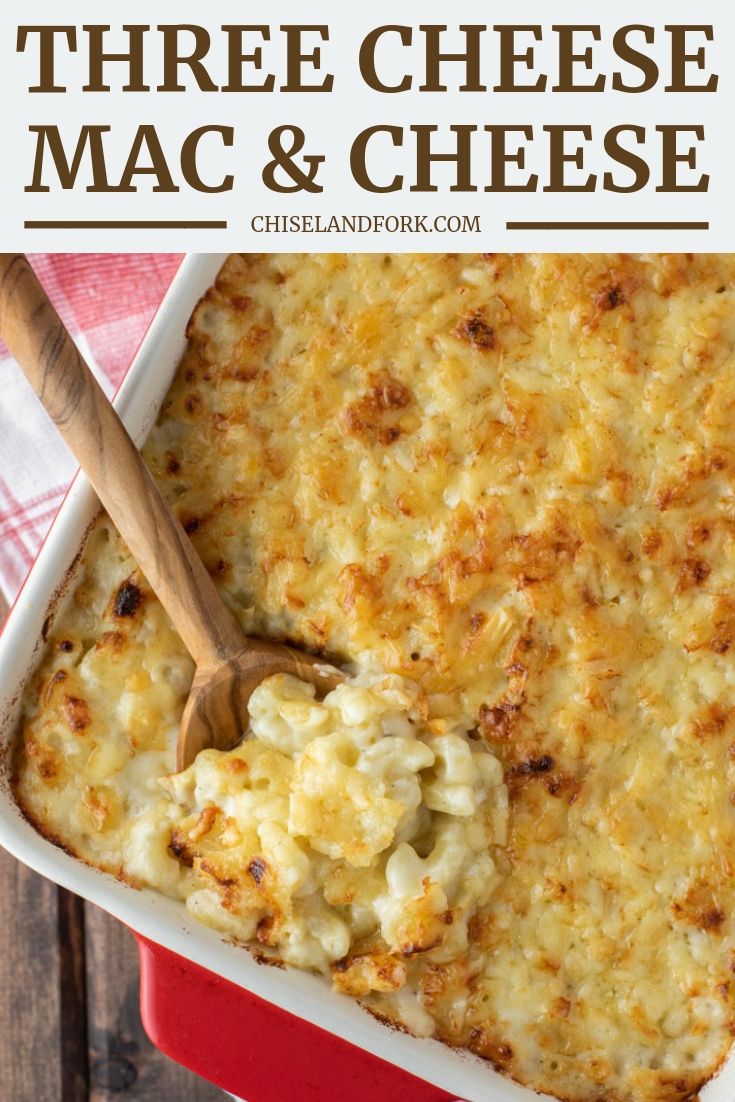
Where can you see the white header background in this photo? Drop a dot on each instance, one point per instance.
(331, 122)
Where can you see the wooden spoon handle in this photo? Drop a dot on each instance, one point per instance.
(36, 336)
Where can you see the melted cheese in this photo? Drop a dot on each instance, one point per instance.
(509, 480)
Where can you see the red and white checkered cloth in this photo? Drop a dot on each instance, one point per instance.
(106, 302)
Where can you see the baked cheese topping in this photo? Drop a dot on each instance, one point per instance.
(508, 483)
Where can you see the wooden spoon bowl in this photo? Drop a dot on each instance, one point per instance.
(216, 712)
(229, 665)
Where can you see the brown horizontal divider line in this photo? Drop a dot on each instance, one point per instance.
(607, 225)
(116, 225)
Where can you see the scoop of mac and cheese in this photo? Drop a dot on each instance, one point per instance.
(351, 833)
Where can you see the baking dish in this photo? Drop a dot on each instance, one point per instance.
(263, 1033)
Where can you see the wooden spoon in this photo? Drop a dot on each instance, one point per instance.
(229, 666)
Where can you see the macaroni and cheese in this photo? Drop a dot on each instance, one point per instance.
(500, 491)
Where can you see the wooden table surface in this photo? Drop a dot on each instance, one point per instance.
(70, 1027)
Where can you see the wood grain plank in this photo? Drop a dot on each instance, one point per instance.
(72, 998)
(30, 1008)
(123, 1062)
